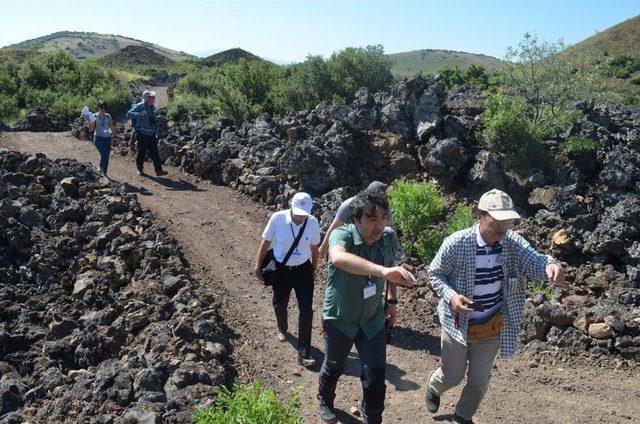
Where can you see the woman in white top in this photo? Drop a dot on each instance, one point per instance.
(297, 272)
(102, 136)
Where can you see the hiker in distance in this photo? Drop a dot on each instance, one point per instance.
(481, 275)
(143, 120)
(361, 258)
(290, 265)
(103, 129)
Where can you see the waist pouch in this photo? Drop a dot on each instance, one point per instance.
(486, 330)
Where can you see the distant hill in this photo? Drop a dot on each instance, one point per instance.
(614, 55)
(229, 56)
(132, 56)
(620, 39)
(90, 44)
(408, 64)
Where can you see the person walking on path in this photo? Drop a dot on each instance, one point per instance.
(481, 275)
(361, 258)
(143, 117)
(103, 130)
(296, 266)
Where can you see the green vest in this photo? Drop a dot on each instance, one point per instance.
(345, 307)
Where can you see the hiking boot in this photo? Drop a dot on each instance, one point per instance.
(432, 401)
(457, 419)
(160, 173)
(282, 337)
(326, 414)
(306, 362)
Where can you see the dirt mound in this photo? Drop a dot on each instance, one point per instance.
(135, 56)
(230, 56)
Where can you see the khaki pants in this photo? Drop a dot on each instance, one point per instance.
(454, 357)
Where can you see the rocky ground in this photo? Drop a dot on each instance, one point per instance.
(219, 230)
(101, 320)
(585, 209)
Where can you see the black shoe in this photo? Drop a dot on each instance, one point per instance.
(326, 414)
(457, 419)
(160, 173)
(432, 401)
(306, 362)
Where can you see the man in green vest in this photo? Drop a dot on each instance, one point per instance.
(361, 257)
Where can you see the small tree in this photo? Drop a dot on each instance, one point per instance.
(547, 81)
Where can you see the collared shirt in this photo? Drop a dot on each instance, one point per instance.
(452, 272)
(282, 231)
(487, 286)
(344, 215)
(345, 306)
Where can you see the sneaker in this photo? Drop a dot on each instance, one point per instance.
(326, 414)
(457, 419)
(282, 337)
(140, 172)
(432, 401)
(160, 173)
(306, 362)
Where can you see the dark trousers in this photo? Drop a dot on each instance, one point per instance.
(103, 144)
(147, 143)
(299, 279)
(372, 354)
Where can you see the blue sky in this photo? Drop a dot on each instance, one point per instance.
(288, 30)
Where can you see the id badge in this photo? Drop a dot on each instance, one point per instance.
(369, 290)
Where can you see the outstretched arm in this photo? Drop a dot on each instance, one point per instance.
(354, 264)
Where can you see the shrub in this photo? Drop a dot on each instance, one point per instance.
(542, 287)
(576, 145)
(251, 404)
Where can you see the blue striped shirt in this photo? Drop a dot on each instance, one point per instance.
(487, 285)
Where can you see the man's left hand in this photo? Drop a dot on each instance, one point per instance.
(392, 314)
(555, 273)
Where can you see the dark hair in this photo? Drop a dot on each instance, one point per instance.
(480, 212)
(366, 203)
(102, 104)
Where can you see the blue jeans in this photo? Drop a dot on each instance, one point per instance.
(373, 359)
(103, 144)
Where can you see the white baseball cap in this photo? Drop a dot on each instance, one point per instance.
(498, 204)
(301, 204)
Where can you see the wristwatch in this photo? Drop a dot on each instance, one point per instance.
(392, 301)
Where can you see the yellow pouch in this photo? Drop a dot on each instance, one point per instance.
(486, 330)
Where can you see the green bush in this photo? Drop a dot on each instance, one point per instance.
(418, 209)
(576, 145)
(59, 84)
(622, 66)
(246, 89)
(251, 404)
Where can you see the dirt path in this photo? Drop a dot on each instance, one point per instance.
(219, 231)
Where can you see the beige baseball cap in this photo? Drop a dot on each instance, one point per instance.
(498, 204)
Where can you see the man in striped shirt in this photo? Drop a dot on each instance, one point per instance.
(481, 275)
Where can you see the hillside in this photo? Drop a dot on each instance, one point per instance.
(90, 44)
(614, 55)
(132, 56)
(229, 56)
(408, 64)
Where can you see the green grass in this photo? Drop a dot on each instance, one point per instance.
(251, 404)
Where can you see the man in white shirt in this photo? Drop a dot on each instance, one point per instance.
(298, 271)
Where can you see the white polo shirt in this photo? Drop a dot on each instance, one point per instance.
(281, 230)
